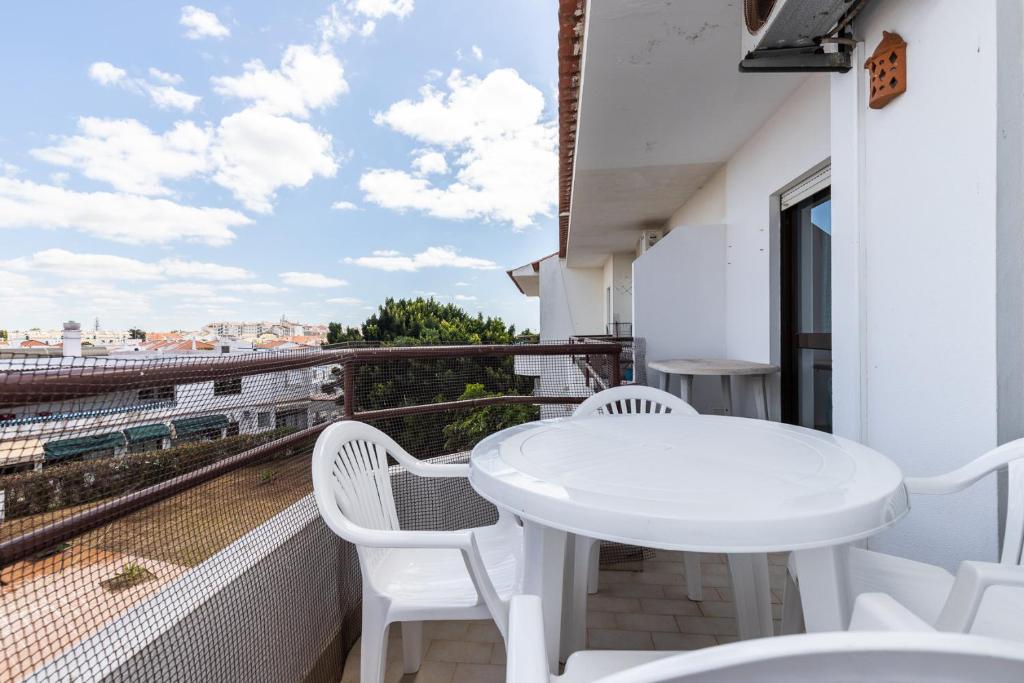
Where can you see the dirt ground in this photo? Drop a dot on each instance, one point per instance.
(49, 604)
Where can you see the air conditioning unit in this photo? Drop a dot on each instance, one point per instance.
(785, 35)
(648, 238)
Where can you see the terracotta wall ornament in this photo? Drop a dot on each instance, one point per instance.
(888, 69)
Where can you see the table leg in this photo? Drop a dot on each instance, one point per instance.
(824, 578)
(544, 575)
(665, 379)
(727, 393)
(762, 398)
(749, 573)
(685, 387)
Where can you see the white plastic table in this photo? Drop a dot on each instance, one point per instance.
(696, 483)
(725, 368)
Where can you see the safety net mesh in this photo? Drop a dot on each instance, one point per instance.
(156, 521)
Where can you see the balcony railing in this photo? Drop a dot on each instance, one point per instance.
(207, 560)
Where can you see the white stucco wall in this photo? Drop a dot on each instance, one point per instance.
(617, 276)
(919, 193)
(679, 303)
(571, 300)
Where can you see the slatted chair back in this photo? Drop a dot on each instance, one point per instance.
(633, 400)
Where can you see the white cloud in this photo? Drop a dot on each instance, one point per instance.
(462, 284)
(345, 301)
(307, 79)
(106, 73)
(505, 153)
(169, 97)
(251, 153)
(131, 219)
(202, 271)
(64, 263)
(344, 206)
(427, 162)
(165, 77)
(478, 53)
(432, 257)
(201, 24)
(256, 153)
(67, 264)
(340, 22)
(164, 96)
(310, 280)
(59, 177)
(187, 289)
(464, 297)
(126, 154)
(255, 288)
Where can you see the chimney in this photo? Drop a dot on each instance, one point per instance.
(72, 339)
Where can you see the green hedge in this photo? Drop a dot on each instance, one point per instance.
(75, 483)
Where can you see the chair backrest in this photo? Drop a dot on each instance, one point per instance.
(1013, 535)
(631, 400)
(351, 479)
(850, 657)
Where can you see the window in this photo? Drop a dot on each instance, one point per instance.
(225, 349)
(263, 420)
(157, 394)
(232, 429)
(227, 387)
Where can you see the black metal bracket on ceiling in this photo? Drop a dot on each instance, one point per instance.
(797, 59)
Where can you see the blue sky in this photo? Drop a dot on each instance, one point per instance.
(166, 165)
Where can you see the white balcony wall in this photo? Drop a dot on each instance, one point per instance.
(679, 303)
(571, 300)
(927, 201)
(617, 288)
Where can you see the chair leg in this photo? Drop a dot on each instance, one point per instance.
(374, 643)
(412, 645)
(582, 562)
(792, 608)
(694, 588)
(593, 565)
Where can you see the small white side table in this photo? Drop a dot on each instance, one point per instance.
(725, 368)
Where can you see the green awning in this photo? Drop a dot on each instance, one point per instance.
(192, 426)
(70, 448)
(147, 432)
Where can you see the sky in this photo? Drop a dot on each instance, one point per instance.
(166, 165)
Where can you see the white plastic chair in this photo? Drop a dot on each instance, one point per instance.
(891, 645)
(959, 603)
(625, 400)
(408, 576)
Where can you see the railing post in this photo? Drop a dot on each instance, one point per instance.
(349, 388)
(616, 378)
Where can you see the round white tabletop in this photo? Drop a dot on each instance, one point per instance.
(712, 366)
(699, 483)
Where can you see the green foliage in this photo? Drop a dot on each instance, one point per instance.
(464, 433)
(131, 574)
(84, 481)
(3, 335)
(395, 383)
(137, 333)
(336, 334)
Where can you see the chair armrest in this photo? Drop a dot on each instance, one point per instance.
(386, 538)
(962, 477)
(881, 612)
(527, 654)
(428, 469)
(972, 580)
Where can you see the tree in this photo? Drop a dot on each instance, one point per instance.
(336, 334)
(3, 335)
(136, 333)
(405, 382)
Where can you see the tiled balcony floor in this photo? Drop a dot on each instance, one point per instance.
(633, 610)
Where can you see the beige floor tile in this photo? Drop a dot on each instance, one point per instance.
(600, 619)
(668, 606)
(660, 578)
(723, 640)
(445, 630)
(613, 639)
(483, 632)
(431, 672)
(646, 622)
(498, 655)
(632, 590)
(659, 565)
(609, 577)
(681, 641)
(711, 608)
(479, 673)
(713, 626)
(459, 652)
(605, 603)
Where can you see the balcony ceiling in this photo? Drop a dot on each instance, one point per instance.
(662, 106)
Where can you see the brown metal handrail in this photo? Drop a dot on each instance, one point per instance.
(45, 537)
